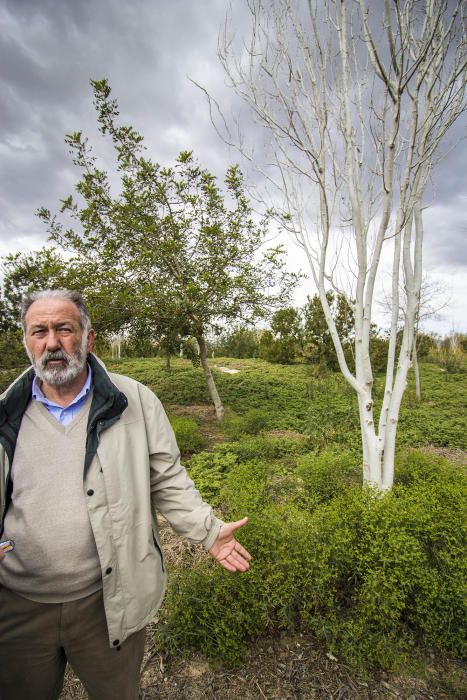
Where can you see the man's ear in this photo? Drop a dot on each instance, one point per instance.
(91, 339)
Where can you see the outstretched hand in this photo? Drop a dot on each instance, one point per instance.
(227, 551)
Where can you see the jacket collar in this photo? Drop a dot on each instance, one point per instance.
(108, 402)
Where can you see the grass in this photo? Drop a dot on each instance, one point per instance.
(323, 407)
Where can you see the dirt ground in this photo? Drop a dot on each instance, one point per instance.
(286, 667)
(283, 668)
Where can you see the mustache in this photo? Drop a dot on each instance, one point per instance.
(54, 355)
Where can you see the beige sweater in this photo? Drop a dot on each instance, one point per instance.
(55, 557)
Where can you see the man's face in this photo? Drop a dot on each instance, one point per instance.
(55, 342)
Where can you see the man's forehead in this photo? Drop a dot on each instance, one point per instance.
(49, 308)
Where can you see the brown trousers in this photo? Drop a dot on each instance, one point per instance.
(37, 639)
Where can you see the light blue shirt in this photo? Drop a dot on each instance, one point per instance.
(64, 414)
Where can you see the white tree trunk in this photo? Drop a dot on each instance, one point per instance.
(352, 99)
(214, 394)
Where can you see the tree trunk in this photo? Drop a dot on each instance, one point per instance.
(418, 385)
(214, 394)
(167, 362)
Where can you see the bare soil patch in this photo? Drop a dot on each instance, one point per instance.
(282, 667)
(453, 454)
(287, 667)
(290, 434)
(205, 416)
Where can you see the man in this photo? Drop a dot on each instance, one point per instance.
(86, 460)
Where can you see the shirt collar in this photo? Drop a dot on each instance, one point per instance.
(38, 394)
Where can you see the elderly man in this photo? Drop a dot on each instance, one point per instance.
(87, 458)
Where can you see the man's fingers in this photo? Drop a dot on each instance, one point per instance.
(242, 551)
(234, 563)
(236, 558)
(239, 523)
(227, 565)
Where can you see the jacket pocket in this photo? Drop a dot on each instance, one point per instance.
(159, 549)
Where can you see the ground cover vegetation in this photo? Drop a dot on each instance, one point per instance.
(380, 581)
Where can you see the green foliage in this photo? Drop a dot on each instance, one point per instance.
(252, 422)
(327, 474)
(318, 346)
(333, 412)
(241, 342)
(425, 343)
(265, 447)
(245, 488)
(375, 577)
(12, 352)
(324, 407)
(207, 469)
(283, 343)
(379, 347)
(188, 435)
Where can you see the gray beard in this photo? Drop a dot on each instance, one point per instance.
(60, 376)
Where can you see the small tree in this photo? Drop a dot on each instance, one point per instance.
(240, 342)
(181, 256)
(284, 341)
(318, 345)
(356, 98)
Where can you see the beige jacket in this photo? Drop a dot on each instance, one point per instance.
(132, 471)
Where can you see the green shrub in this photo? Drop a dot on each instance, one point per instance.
(252, 422)
(255, 420)
(187, 433)
(327, 474)
(12, 352)
(245, 488)
(333, 412)
(375, 577)
(414, 466)
(325, 408)
(207, 469)
(265, 447)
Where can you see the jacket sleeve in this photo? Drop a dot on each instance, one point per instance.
(173, 493)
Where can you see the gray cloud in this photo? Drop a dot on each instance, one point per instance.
(49, 50)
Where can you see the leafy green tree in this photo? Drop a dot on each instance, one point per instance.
(48, 268)
(178, 254)
(283, 343)
(241, 342)
(318, 345)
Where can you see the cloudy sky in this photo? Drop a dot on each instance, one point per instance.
(50, 49)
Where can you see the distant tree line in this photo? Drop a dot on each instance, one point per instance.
(302, 335)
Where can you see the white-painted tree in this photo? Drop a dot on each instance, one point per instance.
(355, 98)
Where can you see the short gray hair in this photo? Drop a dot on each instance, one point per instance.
(67, 294)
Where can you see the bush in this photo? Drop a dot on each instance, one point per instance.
(449, 356)
(251, 423)
(12, 352)
(187, 433)
(207, 469)
(265, 447)
(333, 412)
(375, 577)
(327, 474)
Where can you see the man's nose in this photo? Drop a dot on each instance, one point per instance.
(52, 340)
